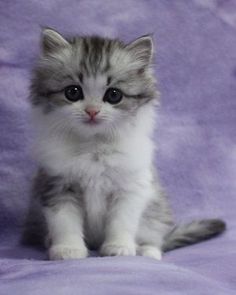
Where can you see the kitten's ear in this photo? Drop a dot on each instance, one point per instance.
(51, 41)
(142, 49)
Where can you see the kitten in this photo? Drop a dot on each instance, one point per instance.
(93, 103)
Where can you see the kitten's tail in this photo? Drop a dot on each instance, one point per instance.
(194, 232)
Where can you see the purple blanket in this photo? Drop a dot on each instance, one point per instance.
(196, 67)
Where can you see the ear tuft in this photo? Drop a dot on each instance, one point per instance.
(52, 41)
(142, 49)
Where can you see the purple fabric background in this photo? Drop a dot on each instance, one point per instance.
(196, 67)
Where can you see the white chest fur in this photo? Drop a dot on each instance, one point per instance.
(100, 168)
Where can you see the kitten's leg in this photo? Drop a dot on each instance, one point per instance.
(150, 238)
(122, 224)
(65, 226)
(156, 222)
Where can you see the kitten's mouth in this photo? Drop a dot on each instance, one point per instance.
(92, 122)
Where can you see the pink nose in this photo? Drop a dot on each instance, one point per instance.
(92, 112)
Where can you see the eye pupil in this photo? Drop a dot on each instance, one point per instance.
(113, 96)
(74, 93)
(114, 93)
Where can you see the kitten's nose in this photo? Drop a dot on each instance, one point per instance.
(92, 112)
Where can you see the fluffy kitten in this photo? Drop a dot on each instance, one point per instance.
(93, 103)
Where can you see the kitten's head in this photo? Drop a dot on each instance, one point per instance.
(92, 85)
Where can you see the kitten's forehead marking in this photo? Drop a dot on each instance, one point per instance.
(109, 78)
(96, 54)
(81, 77)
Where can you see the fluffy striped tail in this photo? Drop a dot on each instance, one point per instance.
(192, 233)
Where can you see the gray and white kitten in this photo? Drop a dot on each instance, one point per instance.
(93, 103)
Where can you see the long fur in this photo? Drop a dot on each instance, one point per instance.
(192, 233)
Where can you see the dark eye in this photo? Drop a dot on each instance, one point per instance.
(113, 96)
(74, 93)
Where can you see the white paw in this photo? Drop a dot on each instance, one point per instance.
(62, 252)
(150, 251)
(116, 249)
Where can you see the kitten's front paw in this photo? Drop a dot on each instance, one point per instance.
(118, 249)
(63, 252)
(150, 251)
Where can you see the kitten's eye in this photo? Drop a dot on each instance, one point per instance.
(113, 96)
(74, 93)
